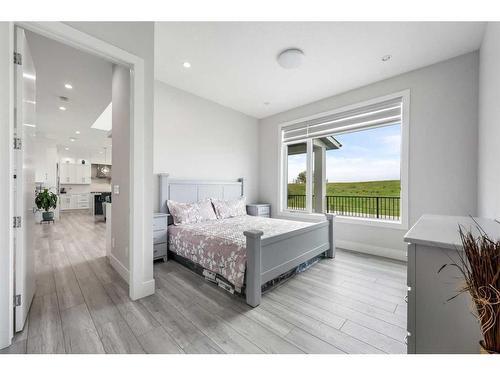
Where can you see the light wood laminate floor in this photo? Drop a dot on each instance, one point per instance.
(351, 304)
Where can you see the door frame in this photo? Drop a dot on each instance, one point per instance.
(141, 281)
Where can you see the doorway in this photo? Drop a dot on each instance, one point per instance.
(139, 277)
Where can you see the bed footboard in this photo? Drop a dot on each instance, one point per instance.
(270, 257)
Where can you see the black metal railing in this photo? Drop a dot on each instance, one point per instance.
(385, 208)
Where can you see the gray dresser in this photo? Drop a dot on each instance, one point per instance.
(436, 325)
(259, 209)
(160, 236)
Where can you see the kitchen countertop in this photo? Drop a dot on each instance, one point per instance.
(442, 231)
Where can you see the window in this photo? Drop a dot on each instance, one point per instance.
(350, 162)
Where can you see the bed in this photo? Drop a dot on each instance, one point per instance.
(244, 252)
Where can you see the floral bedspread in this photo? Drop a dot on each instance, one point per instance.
(220, 245)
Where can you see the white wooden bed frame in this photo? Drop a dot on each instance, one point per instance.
(267, 258)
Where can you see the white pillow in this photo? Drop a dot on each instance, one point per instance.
(230, 208)
(189, 213)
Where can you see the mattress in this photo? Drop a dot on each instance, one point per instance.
(220, 245)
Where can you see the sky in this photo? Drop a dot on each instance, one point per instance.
(367, 155)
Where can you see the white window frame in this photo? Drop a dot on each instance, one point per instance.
(307, 214)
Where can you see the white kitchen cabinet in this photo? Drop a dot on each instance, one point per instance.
(74, 201)
(75, 174)
(83, 173)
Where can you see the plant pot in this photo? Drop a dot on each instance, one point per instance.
(483, 350)
(48, 216)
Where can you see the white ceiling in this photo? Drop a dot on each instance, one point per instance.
(57, 64)
(234, 63)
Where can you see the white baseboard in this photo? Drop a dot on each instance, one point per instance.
(147, 288)
(119, 267)
(373, 250)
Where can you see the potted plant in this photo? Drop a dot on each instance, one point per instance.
(479, 265)
(46, 200)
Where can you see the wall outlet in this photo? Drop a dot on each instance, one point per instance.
(113, 243)
(116, 189)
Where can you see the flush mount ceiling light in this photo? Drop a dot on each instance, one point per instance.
(66, 148)
(186, 64)
(72, 139)
(290, 58)
(77, 132)
(386, 58)
(62, 108)
(68, 86)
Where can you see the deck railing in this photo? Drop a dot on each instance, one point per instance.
(385, 208)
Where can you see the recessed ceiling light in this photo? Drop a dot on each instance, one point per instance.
(386, 57)
(29, 76)
(68, 86)
(66, 148)
(77, 132)
(30, 125)
(101, 152)
(29, 101)
(291, 58)
(72, 139)
(186, 64)
(62, 108)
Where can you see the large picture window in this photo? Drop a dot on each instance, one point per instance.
(348, 163)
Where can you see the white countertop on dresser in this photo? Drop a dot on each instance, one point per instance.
(442, 231)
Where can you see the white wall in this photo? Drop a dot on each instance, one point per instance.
(442, 153)
(121, 169)
(489, 124)
(195, 138)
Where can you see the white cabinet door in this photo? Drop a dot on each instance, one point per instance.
(64, 173)
(65, 201)
(87, 173)
(74, 201)
(83, 174)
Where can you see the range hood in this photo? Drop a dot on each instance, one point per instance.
(103, 171)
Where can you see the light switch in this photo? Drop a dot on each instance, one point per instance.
(116, 189)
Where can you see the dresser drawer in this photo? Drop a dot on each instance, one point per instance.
(159, 236)
(160, 222)
(159, 250)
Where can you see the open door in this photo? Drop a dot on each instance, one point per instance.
(24, 186)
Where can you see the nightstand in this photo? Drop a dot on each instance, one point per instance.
(259, 209)
(160, 236)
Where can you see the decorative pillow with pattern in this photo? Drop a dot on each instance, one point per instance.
(189, 213)
(230, 208)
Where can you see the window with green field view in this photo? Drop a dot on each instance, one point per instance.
(353, 173)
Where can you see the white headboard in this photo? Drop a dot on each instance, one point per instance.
(187, 191)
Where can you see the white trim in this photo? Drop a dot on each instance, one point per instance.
(404, 174)
(119, 267)
(6, 190)
(373, 250)
(141, 243)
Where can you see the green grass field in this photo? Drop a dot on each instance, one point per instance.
(388, 188)
(380, 207)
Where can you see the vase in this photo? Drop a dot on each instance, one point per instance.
(483, 350)
(48, 216)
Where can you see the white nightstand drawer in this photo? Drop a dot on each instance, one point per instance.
(159, 236)
(160, 222)
(159, 250)
(264, 210)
